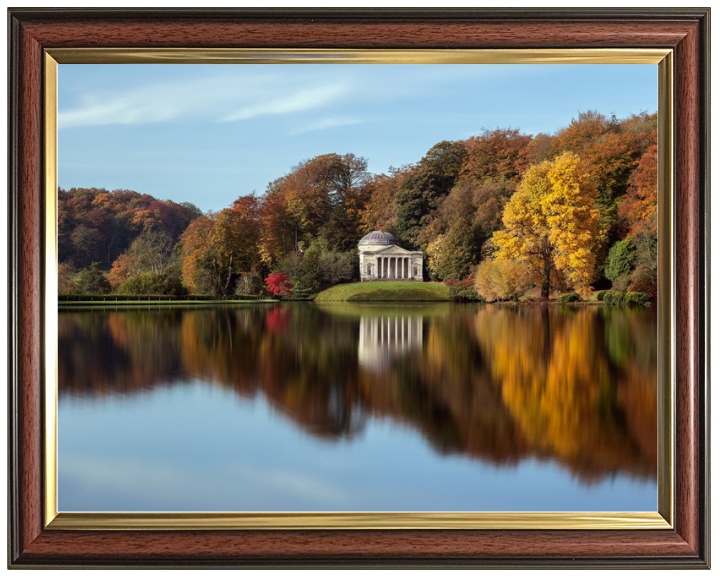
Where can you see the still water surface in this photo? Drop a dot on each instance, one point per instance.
(358, 407)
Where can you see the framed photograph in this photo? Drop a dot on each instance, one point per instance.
(349, 288)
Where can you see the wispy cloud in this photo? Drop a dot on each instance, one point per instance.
(297, 102)
(216, 99)
(325, 124)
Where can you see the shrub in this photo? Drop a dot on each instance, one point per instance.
(169, 283)
(601, 295)
(463, 290)
(616, 298)
(570, 297)
(647, 287)
(502, 279)
(139, 284)
(636, 298)
(613, 298)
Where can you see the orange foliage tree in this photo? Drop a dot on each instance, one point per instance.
(638, 210)
(496, 154)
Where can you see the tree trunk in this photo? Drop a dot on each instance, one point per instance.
(545, 291)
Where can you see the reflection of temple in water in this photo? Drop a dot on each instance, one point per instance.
(383, 339)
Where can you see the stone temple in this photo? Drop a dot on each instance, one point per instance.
(382, 258)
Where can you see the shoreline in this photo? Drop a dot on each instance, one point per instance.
(123, 304)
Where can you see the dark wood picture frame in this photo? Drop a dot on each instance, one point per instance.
(685, 31)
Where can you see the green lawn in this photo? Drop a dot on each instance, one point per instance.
(384, 291)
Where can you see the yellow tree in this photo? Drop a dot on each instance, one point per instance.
(551, 222)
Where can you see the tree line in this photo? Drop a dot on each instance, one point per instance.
(494, 214)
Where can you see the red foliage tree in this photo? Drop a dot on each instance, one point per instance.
(279, 285)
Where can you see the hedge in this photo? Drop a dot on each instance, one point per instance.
(616, 298)
(636, 298)
(149, 297)
(569, 297)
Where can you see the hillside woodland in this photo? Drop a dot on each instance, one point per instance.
(496, 215)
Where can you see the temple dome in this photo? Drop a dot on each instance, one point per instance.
(378, 238)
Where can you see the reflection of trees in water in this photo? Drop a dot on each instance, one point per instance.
(498, 383)
(564, 390)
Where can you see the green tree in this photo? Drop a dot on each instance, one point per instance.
(92, 280)
(620, 260)
(452, 255)
(336, 267)
(424, 188)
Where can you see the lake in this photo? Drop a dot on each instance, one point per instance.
(358, 407)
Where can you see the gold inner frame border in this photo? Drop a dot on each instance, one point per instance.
(662, 519)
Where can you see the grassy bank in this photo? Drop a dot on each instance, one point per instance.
(398, 291)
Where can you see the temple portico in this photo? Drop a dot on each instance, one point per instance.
(382, 258)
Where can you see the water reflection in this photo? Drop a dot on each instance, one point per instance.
(386, 338)
(496, 383)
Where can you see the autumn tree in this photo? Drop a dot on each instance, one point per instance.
(541, 149)
(95, 224)
(638, 210)
(218, 247)
(551, 222)
(379, 210)
(612, 149)
(66, 285)
(479, 204)
(320, 198)
(581, 132)
(125, 266)
(496, 154)
(278, 228)
(153, 251)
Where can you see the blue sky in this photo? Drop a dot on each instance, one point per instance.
(210, 133)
